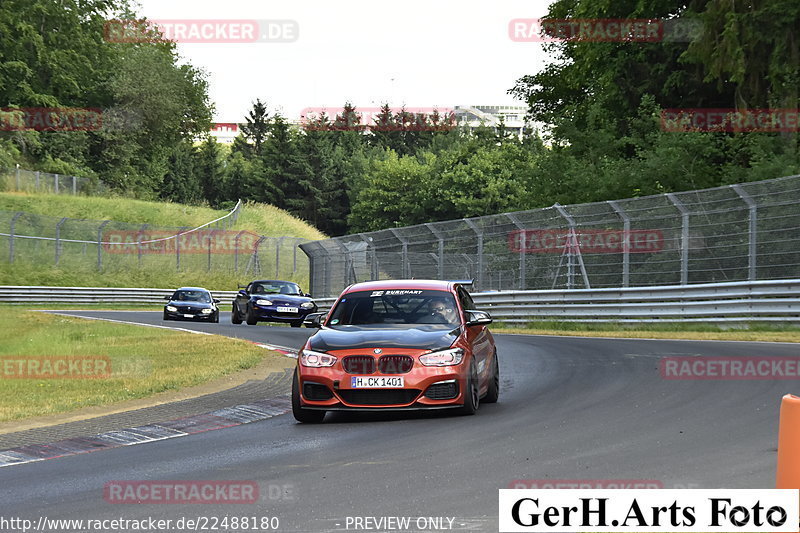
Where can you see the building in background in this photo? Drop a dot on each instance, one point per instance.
(492, 116)
(224, 132)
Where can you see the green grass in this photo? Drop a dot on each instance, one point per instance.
(144, 361)
(35, 260)
(749, 331)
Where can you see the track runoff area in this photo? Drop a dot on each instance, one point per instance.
(589, 435)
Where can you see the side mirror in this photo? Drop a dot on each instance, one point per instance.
(168, 297)
(216, 301)
(307, 295)
(314, 320)
(478, 318)
(244, 293)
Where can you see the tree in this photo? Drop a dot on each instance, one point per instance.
(180, 183)
(256, 127)
(210, 170)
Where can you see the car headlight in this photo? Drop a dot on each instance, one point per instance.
(449, 357)
(307, 305)
(206, 311)
(172, 308)
(263, 302)
(316, 359)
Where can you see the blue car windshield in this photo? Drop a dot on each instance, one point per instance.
(276, 287)
(403, 306)
(192, 296)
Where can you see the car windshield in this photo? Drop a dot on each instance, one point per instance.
(192, 296)
(401, 306)
(276, 287)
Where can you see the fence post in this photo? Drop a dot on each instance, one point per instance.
(210, 234)
(38, 174)
(17, 177)
(139, 243)
(572, 244)
(178, 248)
(371, 256)
(11, 237)
(405, 267)
(479, 234)
(55, 183)
(626, 248)
(440, 259)
(74, 185)
(278, 244)
(236, 251)
(294, 256)
(100, 246)
(684, 237)
(58, 238)
(752, 223)
(523, 247)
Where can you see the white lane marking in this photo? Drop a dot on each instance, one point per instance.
(640, 338)
(128, 322)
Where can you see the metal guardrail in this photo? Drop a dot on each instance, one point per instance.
(93, 295)
(749, 301)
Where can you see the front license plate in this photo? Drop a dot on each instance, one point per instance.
(287, 309)
(363, 382)
(188, 316)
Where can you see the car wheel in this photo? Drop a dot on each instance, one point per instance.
(216, 318)
(307, 416)
(494, 383)
(235, 318)
(472, 399)
(250, 317)
(297, 323)
(166, 317)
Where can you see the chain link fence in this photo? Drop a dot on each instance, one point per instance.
(110, 246)
(734, 233)
(34, 181)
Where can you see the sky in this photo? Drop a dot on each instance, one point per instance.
(418, 53)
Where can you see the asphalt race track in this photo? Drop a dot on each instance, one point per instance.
(570, 409)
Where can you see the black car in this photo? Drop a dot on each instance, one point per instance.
(270, 300)
(191, 303)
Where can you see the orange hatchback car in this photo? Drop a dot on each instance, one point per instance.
(397, 345)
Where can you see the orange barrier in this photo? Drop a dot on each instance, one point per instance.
(788, 476)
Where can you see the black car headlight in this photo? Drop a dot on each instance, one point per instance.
(264, 302)
(172, 309)
(307, 305)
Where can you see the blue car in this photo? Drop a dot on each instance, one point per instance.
(272, 300)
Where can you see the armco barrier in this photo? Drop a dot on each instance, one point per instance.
(747, 301)
(756, 301)
(92, 295)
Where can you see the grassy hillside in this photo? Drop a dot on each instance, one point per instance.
(35, 260)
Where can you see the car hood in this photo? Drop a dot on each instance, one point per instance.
(422, 337)
(196, 305)
(281, 298)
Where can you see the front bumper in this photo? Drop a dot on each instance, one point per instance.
(189, 315)
(271, 314)
(423, 388)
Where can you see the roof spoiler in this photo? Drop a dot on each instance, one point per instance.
(465, 282)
